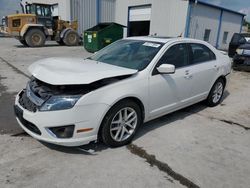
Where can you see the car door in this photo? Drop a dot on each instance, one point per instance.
(168, 92)
(204, 69)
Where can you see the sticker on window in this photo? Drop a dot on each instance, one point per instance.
(151, 44)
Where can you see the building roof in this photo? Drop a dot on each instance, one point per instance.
(217, 7)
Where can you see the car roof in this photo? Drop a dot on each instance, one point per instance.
(163, 39)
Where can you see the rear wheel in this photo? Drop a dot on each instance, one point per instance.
(35, 38)
(121, 123)
(71, 38)
(216, 93)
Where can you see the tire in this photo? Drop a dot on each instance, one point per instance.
(111, 137)
(35, 38)
(60, 43)
(23, 42)
(71, 38)
(216, 93)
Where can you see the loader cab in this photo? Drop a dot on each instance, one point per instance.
(42, 11)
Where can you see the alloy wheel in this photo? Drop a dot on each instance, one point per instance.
(123, 124)
(217, 93)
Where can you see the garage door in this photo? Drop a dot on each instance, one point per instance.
(139, 21)
(140, 13)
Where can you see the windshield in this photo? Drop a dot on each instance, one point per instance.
(133, 54)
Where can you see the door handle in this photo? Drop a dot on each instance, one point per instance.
(216, 67)
(188, 76)
(186, 72)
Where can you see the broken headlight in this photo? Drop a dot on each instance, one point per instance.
(59, 103)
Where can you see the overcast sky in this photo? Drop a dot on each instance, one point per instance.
(10, 6)
(238, 5)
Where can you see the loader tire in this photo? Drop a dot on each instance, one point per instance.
(23, 42)
(60, 42)
(35, 38)
(71, 38)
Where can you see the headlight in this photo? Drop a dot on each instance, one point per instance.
(240, 51)
(59, 103)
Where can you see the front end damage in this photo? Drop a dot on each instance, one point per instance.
(60, 123)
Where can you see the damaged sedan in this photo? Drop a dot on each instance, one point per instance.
(108, 96)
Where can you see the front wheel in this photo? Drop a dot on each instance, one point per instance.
(121, 123)
(23, 42)
(35, 38)
(216, 93)
(71, 38)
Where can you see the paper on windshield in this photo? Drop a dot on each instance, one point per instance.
(151, 44)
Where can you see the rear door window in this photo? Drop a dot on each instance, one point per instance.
(199, 53)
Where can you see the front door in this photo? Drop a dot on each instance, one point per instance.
(168, 92)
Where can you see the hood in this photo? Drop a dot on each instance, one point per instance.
(75, 71)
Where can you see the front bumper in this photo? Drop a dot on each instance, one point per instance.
(36, 124)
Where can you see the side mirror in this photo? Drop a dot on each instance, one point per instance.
(166, 69)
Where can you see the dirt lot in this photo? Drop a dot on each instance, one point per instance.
(194, 147)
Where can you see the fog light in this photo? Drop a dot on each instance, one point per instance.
(62, 132)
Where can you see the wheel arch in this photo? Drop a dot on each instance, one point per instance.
(223, 77)
(132, 98)
(27, 27)
(64, 31)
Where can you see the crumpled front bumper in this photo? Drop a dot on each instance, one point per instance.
(36, 124)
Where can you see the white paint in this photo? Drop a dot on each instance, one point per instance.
(71, 71)
(140, 14)
(160, 94)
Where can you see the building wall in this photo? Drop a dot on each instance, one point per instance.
(107, 10)
(90, 12)
(231, 23)
(85, 12)
(168, 17)
(202, 18)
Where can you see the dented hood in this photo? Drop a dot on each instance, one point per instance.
(75, 71)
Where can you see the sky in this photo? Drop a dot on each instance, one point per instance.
(238, 5)
(10, 6)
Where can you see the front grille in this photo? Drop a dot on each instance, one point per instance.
(26, 103)
(30, 126)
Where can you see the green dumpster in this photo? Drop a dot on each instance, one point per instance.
(102, 35)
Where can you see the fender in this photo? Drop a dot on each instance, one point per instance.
(26, 27)
(63, 32)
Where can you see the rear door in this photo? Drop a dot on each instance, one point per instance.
(204, 68)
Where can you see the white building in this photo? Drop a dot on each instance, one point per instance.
(187, 18)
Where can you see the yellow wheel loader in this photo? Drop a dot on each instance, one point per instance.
(37, 24)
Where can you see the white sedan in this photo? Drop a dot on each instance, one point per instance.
(109, 95)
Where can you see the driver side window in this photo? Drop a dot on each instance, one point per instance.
(176, 55)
